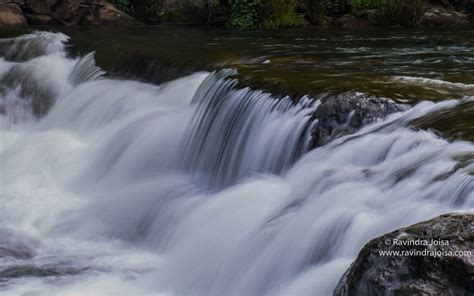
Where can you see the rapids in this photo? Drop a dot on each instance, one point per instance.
(111, 186)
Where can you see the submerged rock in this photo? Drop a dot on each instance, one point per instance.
(16, 245)
(436, 270)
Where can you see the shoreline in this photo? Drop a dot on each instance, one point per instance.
(19, 14)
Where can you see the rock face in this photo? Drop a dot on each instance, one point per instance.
(11, 15)
(346, 114)
(374, 274)
(65, 12)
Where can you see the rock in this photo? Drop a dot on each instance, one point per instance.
(107, 14)
(110, 15)
(346, 114)
(69, 11)
(350, 22)
(16, 245)
(442, 16)
(66, 12)
(373, 274)
(11, 16)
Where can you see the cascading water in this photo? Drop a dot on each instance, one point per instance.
(194, 187)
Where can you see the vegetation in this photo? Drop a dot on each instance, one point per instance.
(245, 14)
(274, 14)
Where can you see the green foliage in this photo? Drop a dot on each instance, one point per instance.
(275, 14)
(124, 5)
(244, 14)
(268, 14)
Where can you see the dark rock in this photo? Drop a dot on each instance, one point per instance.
(346, 114)
(351, 22)
(69, 11)
(373, 274)
(16, 245)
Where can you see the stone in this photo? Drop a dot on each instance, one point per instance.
(432, 274)
(347, 113)
(11, 16)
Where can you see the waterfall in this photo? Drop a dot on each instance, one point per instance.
(197, 186)
(236, 133)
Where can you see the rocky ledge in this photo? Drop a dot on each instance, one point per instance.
(17, 13)
(437, 269)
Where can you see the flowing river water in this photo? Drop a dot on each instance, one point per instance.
(180, 161)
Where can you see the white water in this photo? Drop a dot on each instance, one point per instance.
(125, 188)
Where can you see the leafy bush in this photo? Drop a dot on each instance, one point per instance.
(268, 14)
(244, 14)
(277, 14)
(124, 5)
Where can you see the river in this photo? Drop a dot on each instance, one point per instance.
(178, 161)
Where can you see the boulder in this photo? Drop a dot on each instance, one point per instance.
(443, 16)
(11, 15)
(346, 113)
(69, 10)
(435, 270)
(110, 15)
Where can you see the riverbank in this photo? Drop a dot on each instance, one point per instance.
(262, 14)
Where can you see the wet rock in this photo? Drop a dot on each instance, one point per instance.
(346, 114)
(18, 271)
(11, 15)
(373, 274)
